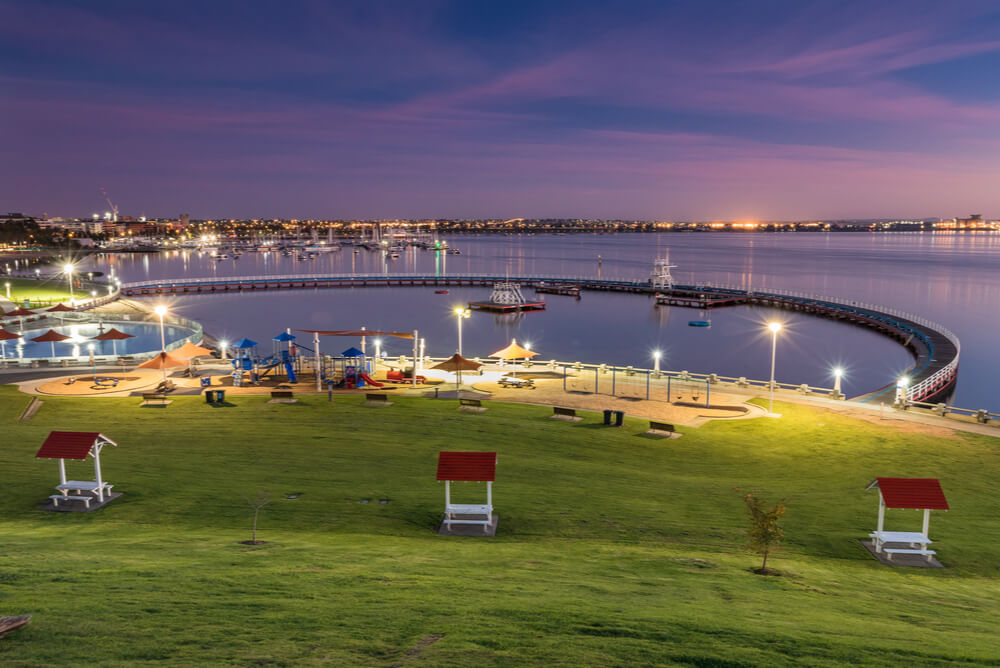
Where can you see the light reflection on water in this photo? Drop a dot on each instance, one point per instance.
(950, 278)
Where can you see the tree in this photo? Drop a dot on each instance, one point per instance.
(263, 498)
(764, 534)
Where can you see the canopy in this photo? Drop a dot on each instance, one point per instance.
(469, 466)
(356, 332)
(113, 335)
(245, 343)
(71, 444)
(189, 350)
(513, 352)
(50, 336)
(284, 336)
(162, 361)
(60, 307)
(457, 363)
(19, 313)
(352, 352)
(7, 336)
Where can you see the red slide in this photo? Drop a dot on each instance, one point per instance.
(367, 379)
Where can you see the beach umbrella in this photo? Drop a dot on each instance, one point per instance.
(189, 351)
(19, 313)
(458, 364)
(6, 336)
(114, 336)
(163, 361)
(513, 352)
(51, 337)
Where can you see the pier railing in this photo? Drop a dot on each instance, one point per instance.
(924, 387)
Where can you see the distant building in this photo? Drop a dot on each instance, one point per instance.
(184, 219)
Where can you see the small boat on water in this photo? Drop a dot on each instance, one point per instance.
(440, 292)
(699, 323)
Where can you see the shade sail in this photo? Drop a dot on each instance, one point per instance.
(352, 352)
(8, 336)
(457, 363)
(245, 343)
(514, 352)
(113, 335)
(284, 336)
(356, 332)
(162, 361)
(19, 313)
(50, 336)
(59, 308)
(189, 350)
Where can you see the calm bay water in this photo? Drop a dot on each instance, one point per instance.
(953, 279)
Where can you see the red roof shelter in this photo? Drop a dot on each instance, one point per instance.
(906, 493)
(63, 445)
(467, 467)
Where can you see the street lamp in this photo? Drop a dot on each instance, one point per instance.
(656, 362)
(222, 348)
(775, 327)
(901, 386)
(7, 285)
(378, 353)
(68, 269)
(161, 311)
(838, 373)
(461, 313)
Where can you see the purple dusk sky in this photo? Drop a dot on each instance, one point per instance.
(680, 110)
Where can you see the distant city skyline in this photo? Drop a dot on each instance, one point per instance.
(648, 111)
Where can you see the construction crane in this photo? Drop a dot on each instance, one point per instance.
(114, 209)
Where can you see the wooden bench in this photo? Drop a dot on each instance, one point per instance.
(282, 397)
(471, 405)
(564, 414)
(889, 551)
(379, 400)
(149, 397)
(56, 498)
(662, 429)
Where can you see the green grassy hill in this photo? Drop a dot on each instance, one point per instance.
(613, 548)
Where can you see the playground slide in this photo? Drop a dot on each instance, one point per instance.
(290, 371)
(365, 377)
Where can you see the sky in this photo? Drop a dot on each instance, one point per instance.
(656, 111)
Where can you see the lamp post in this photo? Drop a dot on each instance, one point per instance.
(378, 353)
(901, 386)
(461, 314)
(656, 362)
(222, 348)
(161, 311)
(7, 285)
(838, 373)
(68, 269)
(93, 362)
(775, 327)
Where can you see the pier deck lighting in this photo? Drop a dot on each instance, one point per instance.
(838, 373)
(656, 361)
(775, 327)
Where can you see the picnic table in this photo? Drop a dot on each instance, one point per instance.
(511, 381)
(83, 485)
(912, 538)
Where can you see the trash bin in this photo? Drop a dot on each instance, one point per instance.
(607, 416)
(210, 397)
(220, 396)
(206, 381)
(619, 418)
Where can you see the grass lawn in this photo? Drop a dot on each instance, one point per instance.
(613, 548)
(54, 290)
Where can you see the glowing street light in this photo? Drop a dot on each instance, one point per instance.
(7, 285)
(462, 314)
(901, 386)
(838, 373)
(68, 270)
(222, 348)
(161, 311)
(378, 353)
(656, 361)
(775, 327)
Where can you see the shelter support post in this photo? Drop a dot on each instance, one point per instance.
(319, 360)
(881, 521)
(927, 523)
(447, 493)
(416, 339)
(97, 471)
(647, 386)
(62, 471)
(489, 493)
(708, 391)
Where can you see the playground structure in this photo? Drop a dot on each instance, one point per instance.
(284, 357)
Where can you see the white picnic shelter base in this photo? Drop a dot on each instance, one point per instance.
(78, 445)
(908, 493)
(468, 467)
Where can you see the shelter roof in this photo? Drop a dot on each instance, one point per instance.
(284, 336)
(473, 466)
(70, 444)
(189, 350)
(19, 312)
(60, 307)
(352, 352)
(457, 363)
(916, 493)
(7, 336)
(245, 343)
(162, 361)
